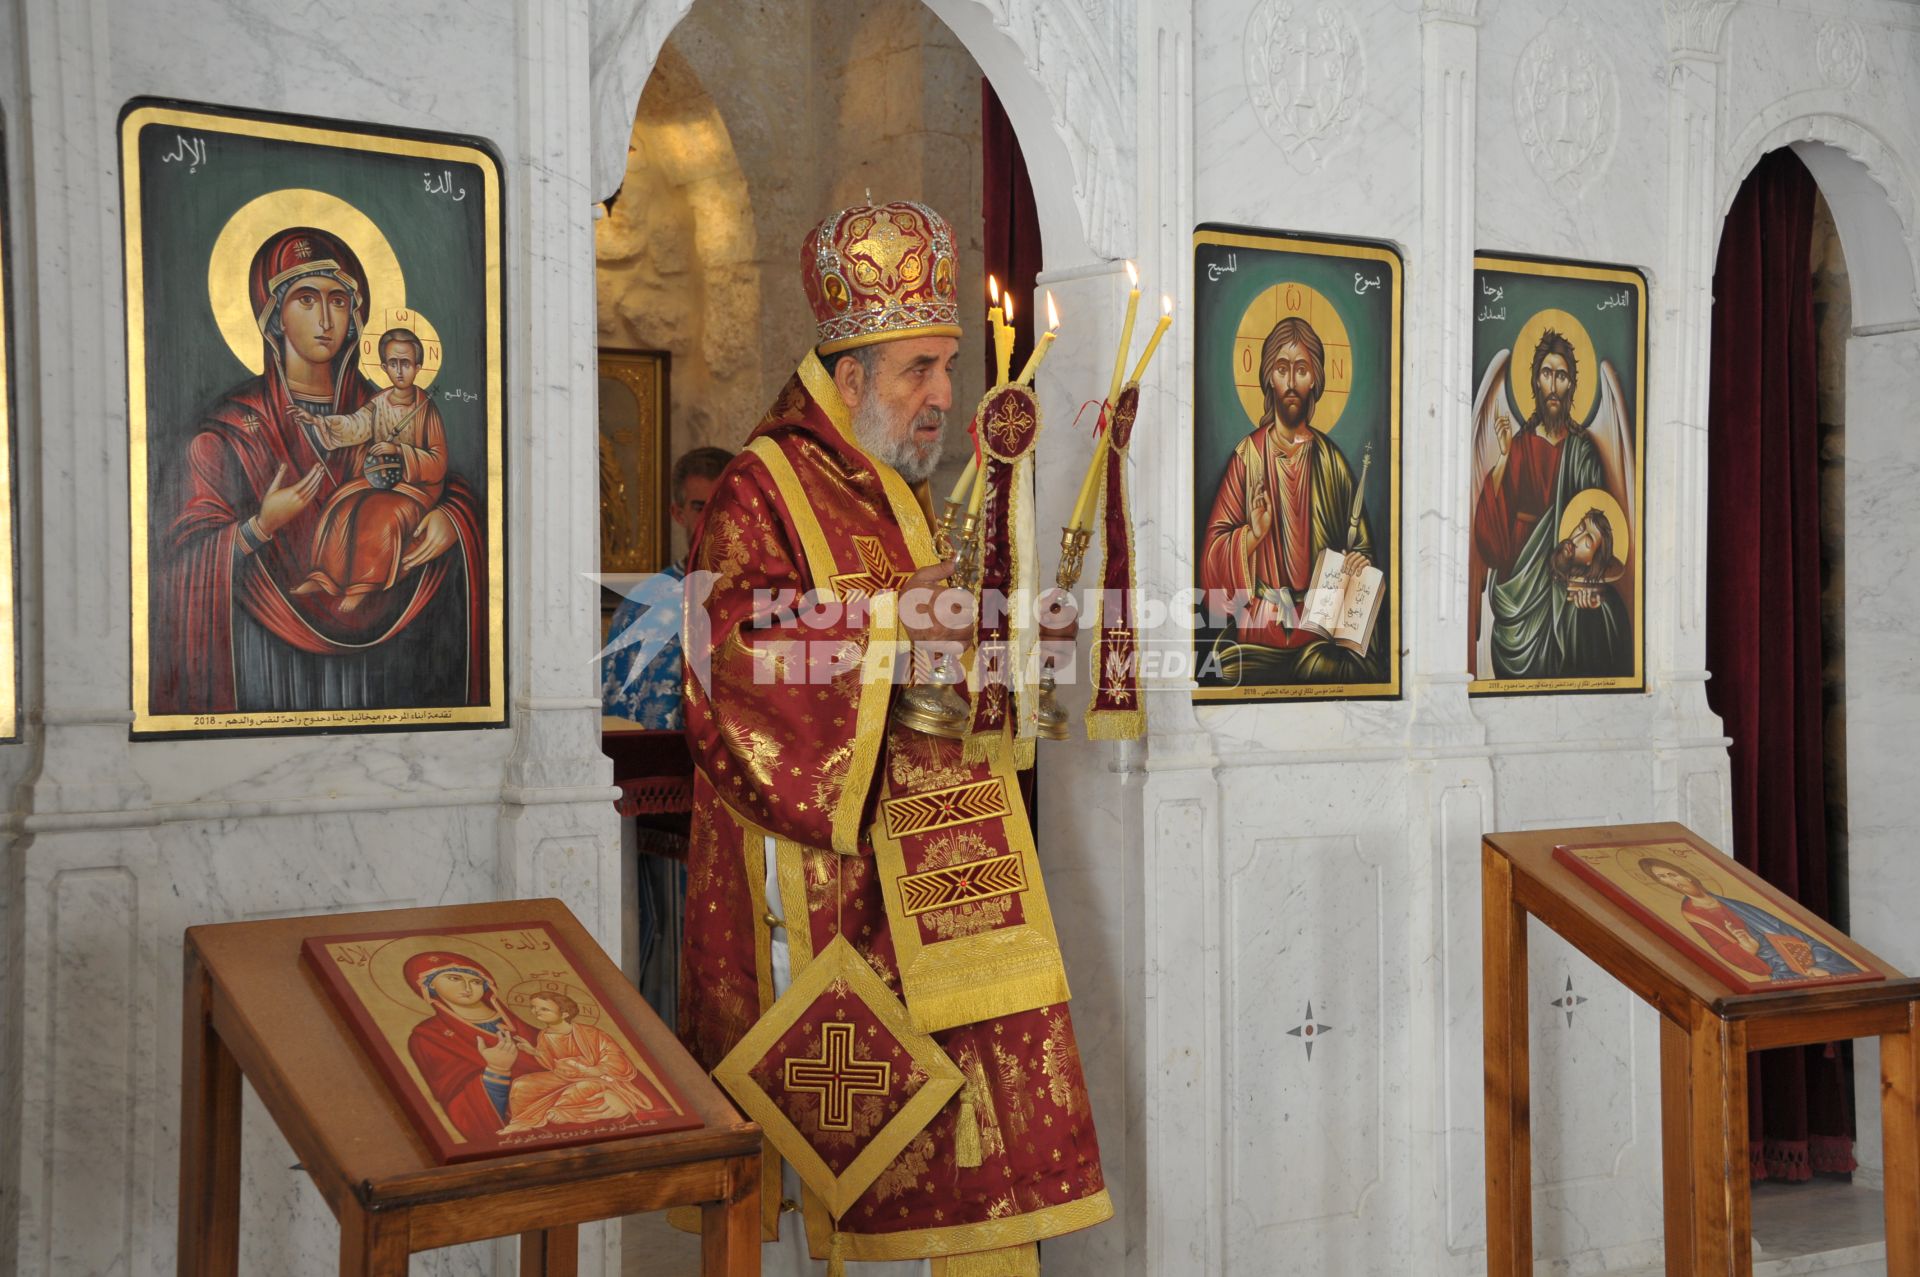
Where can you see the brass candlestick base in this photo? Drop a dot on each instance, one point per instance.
(1050, 718)
(933, 707)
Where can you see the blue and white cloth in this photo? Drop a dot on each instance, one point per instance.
(641, 667)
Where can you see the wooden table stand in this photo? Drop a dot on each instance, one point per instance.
(1705, 1034)
(254, 1010)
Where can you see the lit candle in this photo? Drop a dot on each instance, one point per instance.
(1003, 338)
(1126, 335)
(1039, 354)
(1153, 342)
(1083, 504)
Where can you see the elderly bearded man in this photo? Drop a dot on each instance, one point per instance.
(814, 811)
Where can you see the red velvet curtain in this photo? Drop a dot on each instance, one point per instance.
(1763, 618)
(1013, 225)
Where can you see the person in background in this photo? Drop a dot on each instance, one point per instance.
(651, 696)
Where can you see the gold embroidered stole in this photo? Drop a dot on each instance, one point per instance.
(968, 913)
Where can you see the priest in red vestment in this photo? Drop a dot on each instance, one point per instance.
(794, 749)
(235, 521)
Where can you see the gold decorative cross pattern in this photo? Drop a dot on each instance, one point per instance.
(877, 574)
(836, 1077)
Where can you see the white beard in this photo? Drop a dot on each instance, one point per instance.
(874, 432)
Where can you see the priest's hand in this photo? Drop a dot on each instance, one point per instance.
(433, 538)
(282, 505)
(933, 612)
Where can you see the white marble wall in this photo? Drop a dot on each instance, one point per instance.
(1210, 882)
(117, 847)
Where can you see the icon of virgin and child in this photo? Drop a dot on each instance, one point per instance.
(494, 1074)
(315, 550)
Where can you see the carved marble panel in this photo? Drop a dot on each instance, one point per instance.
(1306, 72)
(1566, 102)
(1305, 1042)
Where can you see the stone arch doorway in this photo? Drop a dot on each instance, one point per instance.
(1077, 185)
(1871, 192)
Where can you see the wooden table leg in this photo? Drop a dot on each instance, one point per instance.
(1722, 1191)
(1509, 1135)
(1900, 1126)
(730, 1230)
(1676, 1142)
(209, 1242)
(372, 1243)
(554, 1252)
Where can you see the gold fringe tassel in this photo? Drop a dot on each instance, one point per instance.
(966, 1132)
(837, 1255)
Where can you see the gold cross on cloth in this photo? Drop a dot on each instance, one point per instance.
(877, 574)
(836, 1077)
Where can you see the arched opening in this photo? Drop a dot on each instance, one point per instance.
(745, 135)
(1816, 341)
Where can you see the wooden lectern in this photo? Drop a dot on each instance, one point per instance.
(254, 1010)
(1705, 1034)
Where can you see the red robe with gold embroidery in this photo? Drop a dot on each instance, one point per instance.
(788, 752)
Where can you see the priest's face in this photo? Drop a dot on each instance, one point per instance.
(900, 408)
(1290, 382)
(316, 316)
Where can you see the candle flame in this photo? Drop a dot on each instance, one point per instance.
(993, 290)
(1006, 304)
(1053, 312)
(1166, 304)
(1133, 275)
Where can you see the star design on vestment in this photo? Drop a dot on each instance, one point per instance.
(877, 574)
(1568, 1001)
(1308, 1029)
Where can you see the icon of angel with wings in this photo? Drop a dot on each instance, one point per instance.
(1553, 564)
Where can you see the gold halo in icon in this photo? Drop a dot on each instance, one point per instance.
(265, 216)
(1586, 372)
(1289, 298)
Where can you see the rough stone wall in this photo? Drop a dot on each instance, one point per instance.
(899, 116)
(757, 120)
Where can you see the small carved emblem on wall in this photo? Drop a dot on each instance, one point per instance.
(1566, 101)
(1841, 53)
(1304, 75)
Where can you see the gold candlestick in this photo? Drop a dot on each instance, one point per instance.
(943, 531)
(1051, 720)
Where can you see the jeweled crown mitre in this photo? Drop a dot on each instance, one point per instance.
(879, 273)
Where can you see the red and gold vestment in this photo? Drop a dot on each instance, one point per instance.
(799, 774)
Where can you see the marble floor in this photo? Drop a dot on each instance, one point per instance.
(651, 1248)
(1828, 1227)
